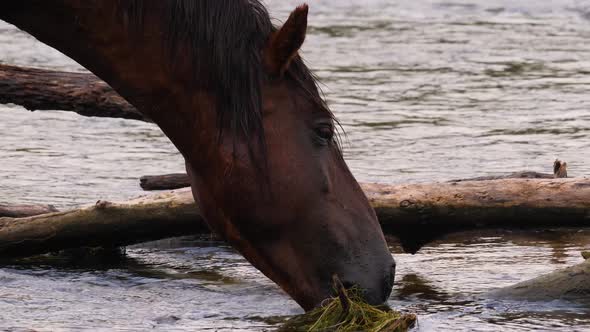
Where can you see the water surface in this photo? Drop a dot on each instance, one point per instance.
(425, 90)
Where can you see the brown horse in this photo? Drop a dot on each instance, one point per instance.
(235, 98)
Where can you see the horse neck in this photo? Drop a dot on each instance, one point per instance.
(135, 64)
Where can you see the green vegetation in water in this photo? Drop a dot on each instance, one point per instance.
(348, 312)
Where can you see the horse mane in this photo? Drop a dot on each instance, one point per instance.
(225, 38)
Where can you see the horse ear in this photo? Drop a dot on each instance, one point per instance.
(284, 43)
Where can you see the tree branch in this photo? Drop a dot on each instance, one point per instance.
(83, 93)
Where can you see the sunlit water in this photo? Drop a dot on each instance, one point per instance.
(425, 90)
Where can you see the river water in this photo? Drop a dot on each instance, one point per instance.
(425, 90)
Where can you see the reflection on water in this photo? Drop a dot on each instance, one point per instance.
(426, 90)
(195, 283)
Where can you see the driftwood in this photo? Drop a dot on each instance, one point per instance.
(180, 180)
(103, 224)
(19, 211)
(419, 213)
(559, 171)
(416, 214)
(572, 283)
(515, 175)
(83, 93)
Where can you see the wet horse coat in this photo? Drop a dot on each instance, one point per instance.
(235, 98)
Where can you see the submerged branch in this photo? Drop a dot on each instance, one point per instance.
(19, 211)
(572, 283)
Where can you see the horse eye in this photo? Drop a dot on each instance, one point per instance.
(325, 132)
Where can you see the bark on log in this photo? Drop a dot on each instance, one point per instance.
(416, 214)
(420, 213)
(572, 283)
(19, 211)
(164, 182)
(103, 224)
(83, 93)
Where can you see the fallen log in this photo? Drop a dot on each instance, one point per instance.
(180, 180)
(501, 201)
(164, 182)
(19, 211)
(432, 210)
(559, 171)
(415, 213)
(514, 175)
(572, 283)
(104, 224)
(83, 93)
